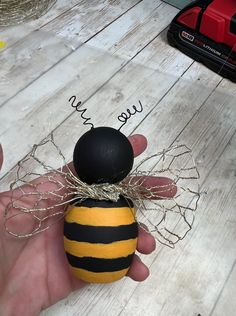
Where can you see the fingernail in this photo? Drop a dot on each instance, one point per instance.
(142, 225)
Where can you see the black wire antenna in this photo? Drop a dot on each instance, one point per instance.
(81, 111)
(125, 116)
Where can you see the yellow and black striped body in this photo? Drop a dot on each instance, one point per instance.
(100, 239)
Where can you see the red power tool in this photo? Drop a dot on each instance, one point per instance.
(206, 31)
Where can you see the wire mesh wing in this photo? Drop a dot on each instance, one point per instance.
(166, 206)
(40, 193)
(163, 188)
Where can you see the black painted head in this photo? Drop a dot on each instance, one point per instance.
(103, 155)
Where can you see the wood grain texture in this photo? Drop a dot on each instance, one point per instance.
(13, 34)
(110, 54)
(134, 30)
(224, 305)
(63, 71)
(196, 275)
(40, 50)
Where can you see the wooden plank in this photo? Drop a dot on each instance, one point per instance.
(110, 100)
(196, 273)
(133, 31)
(78, 77)
(228, 86)
(39, 51)
(13, 34)
(159, 55)
(224, 304)
(61, 9)
(45, 99)
(42, 90)
(49, 101)
(88, 19)
(204, 261)
(45, 93)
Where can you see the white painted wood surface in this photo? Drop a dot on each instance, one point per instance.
(112, 54)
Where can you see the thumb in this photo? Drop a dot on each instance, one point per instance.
(1, 156)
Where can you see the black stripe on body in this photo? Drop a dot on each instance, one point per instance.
(100, 265)
(100, 234)
(122, 202)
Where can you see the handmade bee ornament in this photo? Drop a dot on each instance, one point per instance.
(101, 235)
(105, 198)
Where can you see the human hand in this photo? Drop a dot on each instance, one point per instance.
(34, 272)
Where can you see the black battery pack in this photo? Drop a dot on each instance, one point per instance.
(206, 31)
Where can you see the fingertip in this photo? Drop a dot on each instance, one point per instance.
(139, 143)
(138, 270)
(146, 242)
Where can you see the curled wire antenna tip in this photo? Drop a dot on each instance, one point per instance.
(81, 111)
(125, 116)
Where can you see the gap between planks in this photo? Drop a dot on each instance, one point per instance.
(125, 63)
(66, 51)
